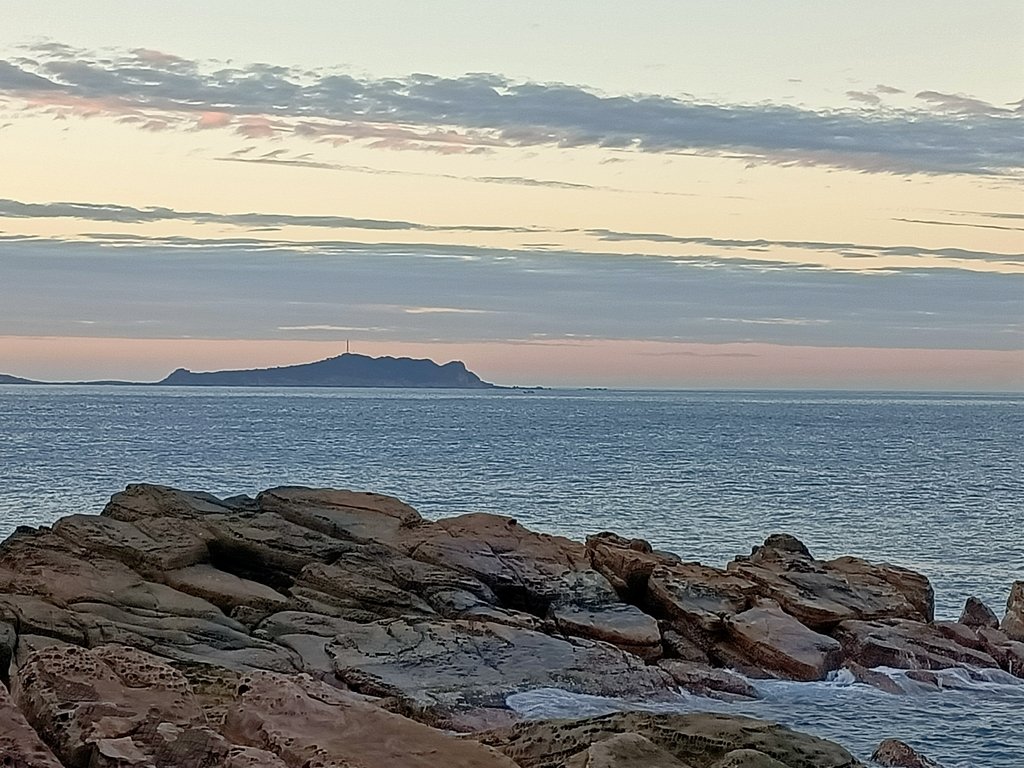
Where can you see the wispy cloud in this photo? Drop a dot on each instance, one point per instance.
(124, 214)
(846, 249)
(480, 112)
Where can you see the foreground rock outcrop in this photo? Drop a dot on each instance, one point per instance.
(310, 627)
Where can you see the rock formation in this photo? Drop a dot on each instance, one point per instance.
(311, 627)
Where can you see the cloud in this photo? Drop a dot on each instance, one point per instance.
(479, 112)
(888, 89)
(124, 214)
(958, 103)
(863, 96)
(262, 289)
(961, 224)
(846, 249)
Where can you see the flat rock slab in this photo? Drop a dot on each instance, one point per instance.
(700, 740)
(308, 723)
(450, 666)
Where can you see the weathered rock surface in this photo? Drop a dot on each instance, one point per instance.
(1013, 622)
(776, 642)
(905, 644)
(898, 754)
(180, 629)
(441, 668)
(977, 614)
(698, 740)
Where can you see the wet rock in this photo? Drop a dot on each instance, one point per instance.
(960, 634)
(308, 723)
(699, 740)
(874, 678)
(707, 681)
(1013, 622)
(905, 644)
(976, 614)
(441, 668)
(780, 644)
(898, 754)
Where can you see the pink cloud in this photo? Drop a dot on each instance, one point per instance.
(213, 120)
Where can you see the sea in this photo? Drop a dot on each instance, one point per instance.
(933, 482)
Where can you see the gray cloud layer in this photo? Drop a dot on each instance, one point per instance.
(248, 288)
(476, 112)
(124, 214)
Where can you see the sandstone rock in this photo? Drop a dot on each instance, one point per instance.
(905, 644)
(695, 599)
(960, 634)
(625, 750)
(1013, 622)
(341, 514)
(622, 625)
(782, 645)
(748, 758)
(441, 668)
(307, 723)
(700, 740)
(872, 677)
(626, 563)
(20, 745)
(150, 544)
(224, 590)
(898, 754)
(706, 681)
(822, 594)
(77, 698)
(142, 500)
(977, 614)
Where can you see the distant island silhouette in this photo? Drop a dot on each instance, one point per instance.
(347, 370)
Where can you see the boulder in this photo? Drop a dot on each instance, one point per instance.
(440, 669)
(899, 754)
(976, 614)
(224, 590)
(1013, 622)
(820, 594)
(699, 740)
(781, 645)
(905, 644)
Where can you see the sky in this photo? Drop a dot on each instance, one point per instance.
(677, 194)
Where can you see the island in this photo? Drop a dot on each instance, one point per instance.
(346, 370)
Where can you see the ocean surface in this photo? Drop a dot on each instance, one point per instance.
(933, 482)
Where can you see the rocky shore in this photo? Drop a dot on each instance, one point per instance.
(314, 628)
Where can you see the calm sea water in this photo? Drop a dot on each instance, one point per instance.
(932, 482)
